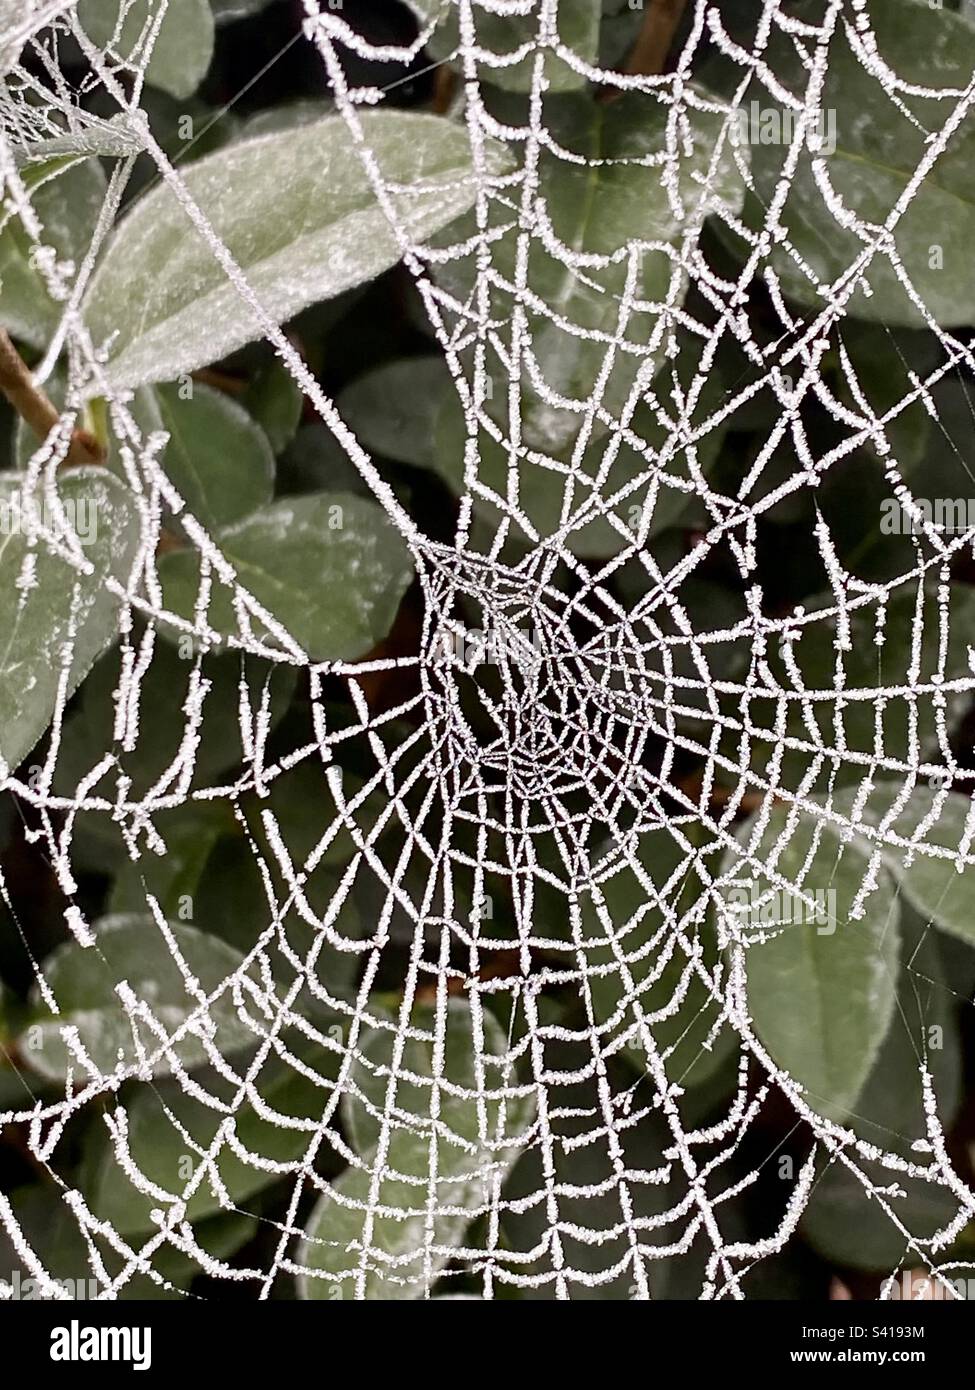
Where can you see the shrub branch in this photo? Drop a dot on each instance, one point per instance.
(649, 53)
(37, 410)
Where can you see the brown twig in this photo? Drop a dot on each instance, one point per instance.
(444, 86)
(649, 54)
(167, 543)
(221, 381)
(693, 786)
(36, 409)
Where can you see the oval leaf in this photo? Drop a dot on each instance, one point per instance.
(394, 409)
(275, 1125)
(921, 832)
(842, 1220)
(873, 147)
(821, 986)
(347, 570)
(217, 457)
(365, 1108)
(183, 44)
(275, 400)
(133, 949)
(308, 227)
(400, 1256)
(67, 207)
(37, 619)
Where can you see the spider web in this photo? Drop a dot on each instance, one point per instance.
(616, 724)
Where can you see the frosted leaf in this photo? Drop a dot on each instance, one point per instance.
(177, 38)
(297, 212)
(56, 627)
(123, 995)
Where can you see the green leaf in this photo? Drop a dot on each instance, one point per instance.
(191, 834)
(913, 826)
(850, 1227)
(67, 208)
(25, 442)
(655, 929)
(183, 45)
(879, 145)
(133, 950)
(648, 485)
(186, 130)
(315, 461)
(399, 1249)
(842, 1221)
(36, 620)
(890, 1110)
(883, 360)
(217, 457)
(367, 1102)
(577, 23)
(298, 213)
(401, 1258)
(347, 571)
(408, 410)
(167, 1127)
(821, 985)
(161, 724)
(275, 400)
(288, 116)
(394, 408)
(839, 722)
(613, 196)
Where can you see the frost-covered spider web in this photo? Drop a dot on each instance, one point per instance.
(492, 1032)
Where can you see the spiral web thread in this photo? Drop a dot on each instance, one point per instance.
(575, 717)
